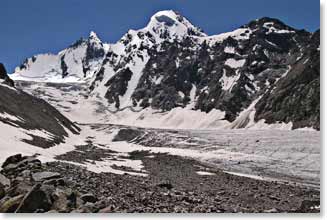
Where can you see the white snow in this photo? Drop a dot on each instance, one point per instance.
(47, 67)
(238, 34)
(271, 43)
(253, 153)
(177, 118)
(306, 60)
(233, 63)
(271, 29)
(228, 82)
(10, 117)
(229, 50)
(158, 80)
(204, 173)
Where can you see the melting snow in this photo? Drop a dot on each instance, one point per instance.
(228, 81)
(231, 62)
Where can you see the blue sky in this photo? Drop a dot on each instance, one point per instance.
(40, 26)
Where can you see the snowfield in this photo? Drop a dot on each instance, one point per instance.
(265, 154)
(259, 151)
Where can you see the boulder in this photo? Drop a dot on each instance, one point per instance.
(12, 160)
(36, 199)
(10, 204)
(4, 181)
(41, 176)
(61, 202)
(89, 198)
(2, 191)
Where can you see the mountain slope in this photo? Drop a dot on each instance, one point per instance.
(75, 64)
(31, 120)
(173, 68)
(296, 97)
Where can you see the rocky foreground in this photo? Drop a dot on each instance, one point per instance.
(173, 185)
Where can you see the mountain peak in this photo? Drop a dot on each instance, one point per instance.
(270, 24)
(168, 13)
(172, 21)
(93, 35)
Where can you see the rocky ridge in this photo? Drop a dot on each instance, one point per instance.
(170, 63)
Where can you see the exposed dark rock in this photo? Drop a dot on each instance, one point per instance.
(4, 76)
(126, 134)
(36, 199)
(296, 97)
(12, 160)
(4, 181)
(10, 204)
(89, 198)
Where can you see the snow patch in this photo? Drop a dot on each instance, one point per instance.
(233, 63)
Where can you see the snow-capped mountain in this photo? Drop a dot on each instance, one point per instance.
(75, 64)
(172, 70)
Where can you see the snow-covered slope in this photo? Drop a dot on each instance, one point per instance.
(77, 63)
(27, 120)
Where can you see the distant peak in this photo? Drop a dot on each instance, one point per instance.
(93, 35)
(267, 22)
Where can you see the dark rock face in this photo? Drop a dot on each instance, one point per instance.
(3, 76)
(296, 97)
(35, 114)
(227, 74)
(118, 86)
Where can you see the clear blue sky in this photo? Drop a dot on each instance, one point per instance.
(29, 27)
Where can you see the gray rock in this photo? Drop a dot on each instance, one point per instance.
(61, 202)
(10, 204)
(4, 180)
(89, 198)
(41, 176)
(2, 191)
(12, 160)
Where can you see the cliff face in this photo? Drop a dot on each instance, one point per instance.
(296, 97)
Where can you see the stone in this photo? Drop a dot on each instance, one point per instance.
(89, 198)
(61, 202)
(4, 181)
(165, 185)
(2, 191)
(41, 176)
(19, 188)
(12, 160)
(11, 204)
(34, 200)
